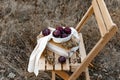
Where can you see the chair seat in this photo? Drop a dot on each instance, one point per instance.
(71, 63)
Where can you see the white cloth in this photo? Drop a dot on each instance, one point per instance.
(33, 65)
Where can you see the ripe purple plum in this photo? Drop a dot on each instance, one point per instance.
(60, 28)
(57, 33)
(64, 35)
(46, 32)
(62, 59)
(67, 30)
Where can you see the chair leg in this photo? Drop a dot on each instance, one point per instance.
(87, 74)
(53, 75)
(62, 74)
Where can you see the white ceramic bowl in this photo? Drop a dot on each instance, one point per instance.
(60, 40)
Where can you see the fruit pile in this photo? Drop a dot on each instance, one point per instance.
(59, 32)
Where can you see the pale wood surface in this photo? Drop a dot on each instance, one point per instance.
(99, 18)
(49, 66)
(66, 66)
(73, 65)
(58, 66)
(105, 13)
(82, 48)
(87, 76)
(83, 56)
(53, 75)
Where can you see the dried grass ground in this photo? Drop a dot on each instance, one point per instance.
(22, 20)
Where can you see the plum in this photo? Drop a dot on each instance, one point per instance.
(60, 28)
(64, 35)
(57, 33)
(46, 31)
(62, 59)
(67, 30)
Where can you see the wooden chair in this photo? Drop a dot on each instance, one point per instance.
(107, 30)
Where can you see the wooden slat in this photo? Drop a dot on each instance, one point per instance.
(72, 64)
(49, 66)
(83, 55)
(66, 65)
(74, 67)
(82, 48)
(87, 76)
(42, 63)
(99, 18)
(84, 19)
(57, 65)
(53, 75)
(92, 54)
(62, 74)
(105, 13)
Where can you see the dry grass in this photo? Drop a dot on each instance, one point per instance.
(22, 20)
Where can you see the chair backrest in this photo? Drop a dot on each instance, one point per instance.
(106, 27)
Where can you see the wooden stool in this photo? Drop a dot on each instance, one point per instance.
(71, 63)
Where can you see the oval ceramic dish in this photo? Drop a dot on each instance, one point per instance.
(60, 40)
